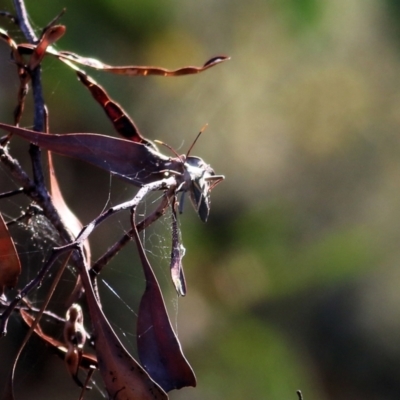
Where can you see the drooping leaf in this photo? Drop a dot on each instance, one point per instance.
(10, 266)
(70, 220)
(135, 162)
(159, 348)
(122, 375)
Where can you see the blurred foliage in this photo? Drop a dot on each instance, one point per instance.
(301, 250)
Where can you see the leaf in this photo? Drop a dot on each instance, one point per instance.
(69, 219)
(135, 70)
(14, 47)
(131, 161)
(87, 360)
(10, 266)
(120, 119)
(49, 36)
(130, 70)
(159, 349)
(122, 375)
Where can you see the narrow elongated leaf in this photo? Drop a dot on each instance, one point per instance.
(122, 375)
(120, 119)
(159, 349)
(135, 70)
(135, 162)
(69, 219)
(10, 266)
(130, 70)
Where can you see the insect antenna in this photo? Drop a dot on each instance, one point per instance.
(195, 140)
(170, 148)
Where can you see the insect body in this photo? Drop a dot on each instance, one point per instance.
(138, 163)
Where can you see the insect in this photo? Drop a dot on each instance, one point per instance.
(139, 161)
(135, 159)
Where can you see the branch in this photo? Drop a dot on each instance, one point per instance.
(23, 21)
(39, 105)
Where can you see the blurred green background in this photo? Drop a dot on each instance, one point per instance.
(294, 281)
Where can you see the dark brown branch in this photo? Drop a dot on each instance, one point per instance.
(39, 105)
(23, 21)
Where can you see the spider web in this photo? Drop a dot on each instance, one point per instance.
(121, 285)
(39, 373)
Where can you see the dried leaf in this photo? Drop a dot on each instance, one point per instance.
(69, 219)
(10, 266)
(49, 36)
(120, 119)
(123, 376)
(130, 70)
(87, 361)
(159, 349)
(135, 162)
(135, 70)
(14, 47)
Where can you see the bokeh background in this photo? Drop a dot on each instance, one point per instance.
(294, 282)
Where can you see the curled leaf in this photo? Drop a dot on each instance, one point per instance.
(87, 360)
(75, 338)
(158, 346)
(10, 266)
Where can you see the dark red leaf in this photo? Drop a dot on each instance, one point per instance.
(10, 267)
(122, 375)
(159, 349)
(120, 119)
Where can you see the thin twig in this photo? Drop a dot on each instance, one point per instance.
(116, 247)
(11, 193)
